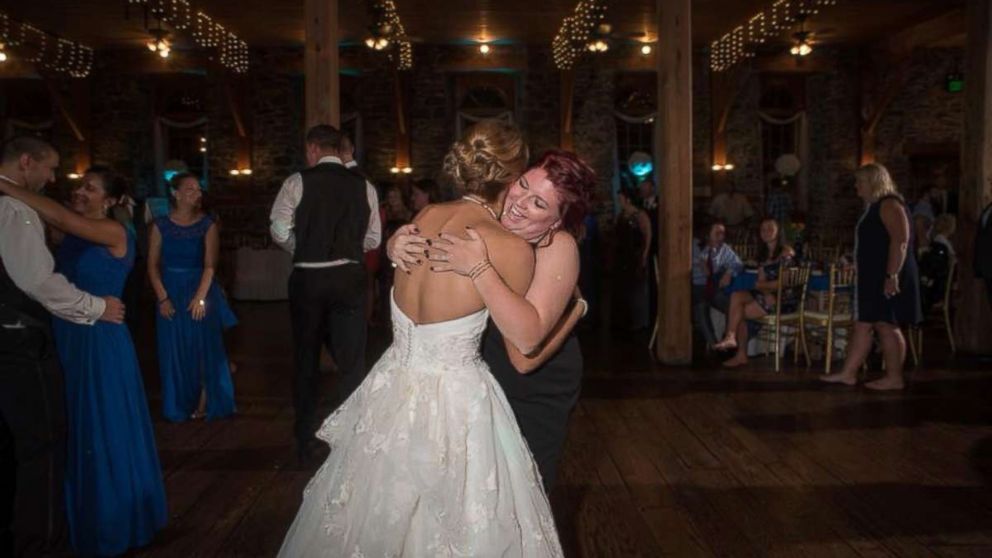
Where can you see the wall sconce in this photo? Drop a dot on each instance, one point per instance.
(240, 172)
(484, 49)
(404, 170)
(73, 176)
(726, 167)
(646, 50)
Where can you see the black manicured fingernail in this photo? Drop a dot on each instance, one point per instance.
(428, 242)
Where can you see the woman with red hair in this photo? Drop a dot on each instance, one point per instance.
(546, 206)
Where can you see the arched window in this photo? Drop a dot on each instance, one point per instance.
(483, 96)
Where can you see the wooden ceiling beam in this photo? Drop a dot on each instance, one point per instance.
(932, 31)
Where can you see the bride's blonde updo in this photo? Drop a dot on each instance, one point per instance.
(489, 156)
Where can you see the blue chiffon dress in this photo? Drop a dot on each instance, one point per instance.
(191, 354)
(114, 494)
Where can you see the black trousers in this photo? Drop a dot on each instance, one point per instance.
(32, 456)
(327, 306)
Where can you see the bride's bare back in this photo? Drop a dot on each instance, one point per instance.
(429, 297)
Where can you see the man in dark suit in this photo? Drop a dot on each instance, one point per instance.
(983, 249)
(327, 217)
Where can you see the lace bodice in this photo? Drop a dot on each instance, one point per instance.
(438, 345)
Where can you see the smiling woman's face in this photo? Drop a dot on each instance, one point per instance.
(532, 205)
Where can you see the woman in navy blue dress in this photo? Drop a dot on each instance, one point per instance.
(887, 291)
(192, 312)
(114, 495)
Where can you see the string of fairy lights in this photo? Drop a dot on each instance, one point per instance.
(740, 43)
(207, 33)
(44, 49)
(388, 31)
(575, 31)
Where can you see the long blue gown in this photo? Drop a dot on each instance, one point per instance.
(191, 354)
(115, 498)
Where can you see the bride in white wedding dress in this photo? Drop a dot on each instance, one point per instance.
(426, 457)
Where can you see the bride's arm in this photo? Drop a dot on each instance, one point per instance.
(525, 321)
(107, 232)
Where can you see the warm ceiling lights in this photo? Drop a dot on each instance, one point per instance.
(801, 49)
(484, 48)
(576, 31)
(646, 50)
(44, 49)
(740, 43)
(183, 17)
(599, 45)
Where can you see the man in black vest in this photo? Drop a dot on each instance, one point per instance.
(327, 217)
(983, 249)
(32, 421)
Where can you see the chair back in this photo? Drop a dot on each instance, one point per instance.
(842, 279)
(748, 253)
(792, 280)
(822, 254)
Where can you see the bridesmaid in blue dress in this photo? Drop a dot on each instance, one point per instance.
(114, 495)
(192, 311)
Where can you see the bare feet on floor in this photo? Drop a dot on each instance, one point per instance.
(886, 384)
(839, 378)
(726, 344)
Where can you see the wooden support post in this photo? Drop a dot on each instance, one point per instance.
(673, 152)
(401, 99)
(321, 63)
(567, 97)
(973, 324)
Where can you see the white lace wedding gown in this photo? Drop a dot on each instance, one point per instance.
(426, 460)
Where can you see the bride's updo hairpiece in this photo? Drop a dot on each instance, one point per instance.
(489, 156)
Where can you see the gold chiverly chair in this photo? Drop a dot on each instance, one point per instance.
(838, 314)
(792, 282)
(748, 253)
(821, 253)
(916, 332)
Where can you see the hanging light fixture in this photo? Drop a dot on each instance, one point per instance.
(803, 48)
(159, 42)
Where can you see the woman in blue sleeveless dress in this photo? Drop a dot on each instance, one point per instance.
(192, 311)
(114, 495)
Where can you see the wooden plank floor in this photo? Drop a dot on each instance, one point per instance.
(659, 462)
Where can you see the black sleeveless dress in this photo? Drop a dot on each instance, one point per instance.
(871, 252)
(542, 400)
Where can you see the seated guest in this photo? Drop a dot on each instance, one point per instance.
(935, 262)
(423, 193)
(714, 265)
(731, 207)
(759, 302)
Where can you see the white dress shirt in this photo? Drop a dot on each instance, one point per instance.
(283, 217)
(31, 267)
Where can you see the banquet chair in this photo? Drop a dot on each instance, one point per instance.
(839, 313)
(944, 306)
(792, 282)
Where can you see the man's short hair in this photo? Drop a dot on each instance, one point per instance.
(325, 136)
(16, 146)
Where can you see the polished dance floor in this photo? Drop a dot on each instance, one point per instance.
(659, 462)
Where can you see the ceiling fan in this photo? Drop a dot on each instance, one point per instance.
(603, 36)
(384, 32)
(803, 39)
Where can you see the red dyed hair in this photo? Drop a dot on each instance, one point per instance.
(574, 182)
